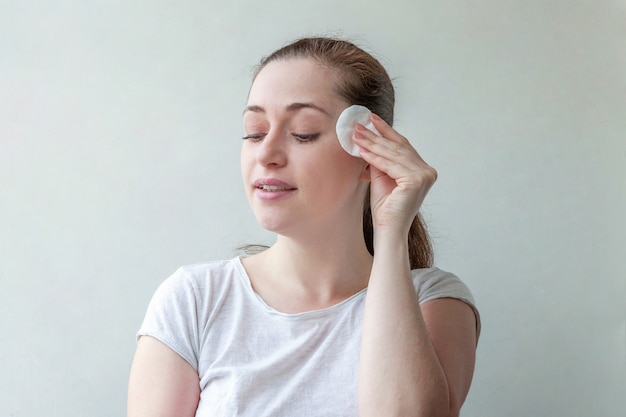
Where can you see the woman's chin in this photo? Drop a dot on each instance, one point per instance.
(272, 224)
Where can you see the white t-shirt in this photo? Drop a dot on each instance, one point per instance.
(255, 361)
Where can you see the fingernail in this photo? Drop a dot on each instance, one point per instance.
(377, 117)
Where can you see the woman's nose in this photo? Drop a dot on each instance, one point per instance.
(271, 150)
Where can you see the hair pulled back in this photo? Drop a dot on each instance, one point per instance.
(362, 80)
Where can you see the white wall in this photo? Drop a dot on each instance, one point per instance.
(119, 140)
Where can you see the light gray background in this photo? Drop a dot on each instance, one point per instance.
(120, 126)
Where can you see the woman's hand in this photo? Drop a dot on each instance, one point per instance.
(400, 179)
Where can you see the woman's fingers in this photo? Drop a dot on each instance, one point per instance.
(396, 157)
(381, 146)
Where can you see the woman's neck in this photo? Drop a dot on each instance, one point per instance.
(295, 275)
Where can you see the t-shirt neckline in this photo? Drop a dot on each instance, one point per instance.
(245, 280)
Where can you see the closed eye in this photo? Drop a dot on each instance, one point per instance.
(254, 137)
(305, 137)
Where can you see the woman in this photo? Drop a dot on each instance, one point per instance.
(343, 315)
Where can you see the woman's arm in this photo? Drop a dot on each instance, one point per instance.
(162, 383)
(414, 361)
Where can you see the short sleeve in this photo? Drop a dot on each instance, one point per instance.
(171, 317)
(433, 283)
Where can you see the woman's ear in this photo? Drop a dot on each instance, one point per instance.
(365, 173)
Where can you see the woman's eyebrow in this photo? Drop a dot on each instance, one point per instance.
(254, 109)
(299, 106)
(291, 108)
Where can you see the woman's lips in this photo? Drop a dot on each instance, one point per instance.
(272, 188)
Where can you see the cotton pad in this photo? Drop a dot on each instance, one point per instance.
(346, 124)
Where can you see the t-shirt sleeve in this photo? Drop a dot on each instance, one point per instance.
(434, 283)
(171, 317)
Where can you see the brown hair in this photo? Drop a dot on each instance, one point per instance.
(364, 81)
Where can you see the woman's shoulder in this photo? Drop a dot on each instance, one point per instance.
(435, 283)
(207, 269)
(202, 276)
(432, 283)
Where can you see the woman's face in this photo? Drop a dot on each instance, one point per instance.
(297, 176)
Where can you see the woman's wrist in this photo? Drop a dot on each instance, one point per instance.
(391, 244)
(385, 236)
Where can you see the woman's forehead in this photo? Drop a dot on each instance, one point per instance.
(295, 84)
(294, 76)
